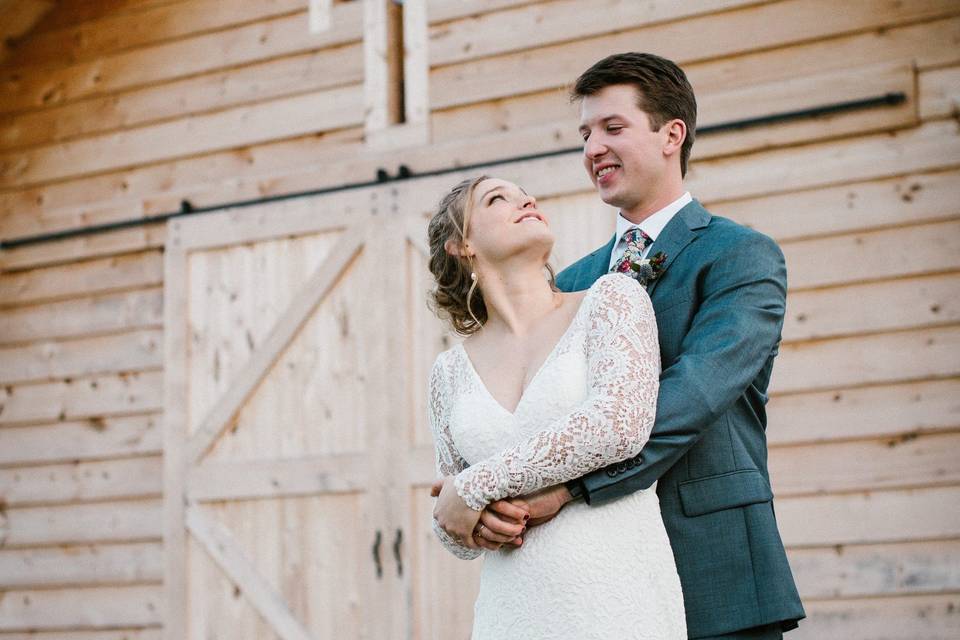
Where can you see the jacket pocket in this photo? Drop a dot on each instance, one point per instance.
(724, 491)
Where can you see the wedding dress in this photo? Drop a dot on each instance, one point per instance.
(592, 571)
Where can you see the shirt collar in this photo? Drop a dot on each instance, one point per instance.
(652, 225)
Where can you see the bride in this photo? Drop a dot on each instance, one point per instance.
(546, 387)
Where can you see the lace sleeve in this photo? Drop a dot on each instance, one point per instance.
(448, 459)
(610, 425)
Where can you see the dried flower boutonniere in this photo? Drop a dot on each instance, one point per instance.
(649, 269)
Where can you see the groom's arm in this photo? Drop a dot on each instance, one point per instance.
(735, 330)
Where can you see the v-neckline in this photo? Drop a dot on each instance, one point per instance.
(523, 392)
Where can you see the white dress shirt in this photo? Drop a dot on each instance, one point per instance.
(652, 225)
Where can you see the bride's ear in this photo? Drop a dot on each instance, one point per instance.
(454, 248)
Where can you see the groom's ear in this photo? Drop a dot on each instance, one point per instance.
(676, 130)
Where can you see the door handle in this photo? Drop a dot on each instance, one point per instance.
(396, 552)
(376, 554)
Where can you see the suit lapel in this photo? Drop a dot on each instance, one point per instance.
(679, 232)
(597, 265)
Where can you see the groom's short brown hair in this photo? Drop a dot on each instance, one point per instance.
(663, 88)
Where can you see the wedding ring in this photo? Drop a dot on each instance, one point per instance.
(476, 534)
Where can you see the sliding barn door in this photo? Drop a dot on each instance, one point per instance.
(280, 405)
(298, 453)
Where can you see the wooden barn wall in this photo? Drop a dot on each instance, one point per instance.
(122, 109)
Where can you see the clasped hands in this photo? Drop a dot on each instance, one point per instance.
(503, 522)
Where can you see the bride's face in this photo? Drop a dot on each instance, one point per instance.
(504, 221)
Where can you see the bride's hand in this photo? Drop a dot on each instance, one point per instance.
(454, 516)
(502, 522)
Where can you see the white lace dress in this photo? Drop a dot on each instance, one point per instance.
(592, 571)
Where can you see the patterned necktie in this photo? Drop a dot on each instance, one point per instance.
(636, 241)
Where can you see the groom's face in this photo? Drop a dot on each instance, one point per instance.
(623, 157)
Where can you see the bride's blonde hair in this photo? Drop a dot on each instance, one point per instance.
(455, 296)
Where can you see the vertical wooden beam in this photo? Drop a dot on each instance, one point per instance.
(175, 433)
(320, 15)
(395, 63)
(416, 64)
(375, 65)
(396, 73)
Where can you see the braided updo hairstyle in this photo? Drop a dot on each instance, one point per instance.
(456, 297)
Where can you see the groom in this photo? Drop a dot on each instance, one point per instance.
(718, 290)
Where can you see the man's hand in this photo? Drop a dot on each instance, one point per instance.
(502, 522)
(543, 505)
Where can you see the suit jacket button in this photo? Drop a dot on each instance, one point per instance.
(631, 463)
(612, 472)
(621, 467)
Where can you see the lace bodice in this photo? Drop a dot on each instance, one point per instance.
(591, 404)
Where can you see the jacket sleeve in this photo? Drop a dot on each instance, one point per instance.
(447, 458)
(735, 331)
(611, 424)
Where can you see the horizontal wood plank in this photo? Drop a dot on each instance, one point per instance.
(796, 21)
(18, 19)
(72, 12)
(116, 273)
(846, 571)
(886, 305)
(891, 410)
(882, 463)
(91, 439)
(83, 247)
(939, 93)
(81, 565)
(103, 313)
(444, 10)
(140, 192)
(133, 521)
(931, 147)
(932, 617)
(277, 478)
(234, 127)
(51, 360)
(486, 34)
(873, 255)
(873, 359)
(124, 30)
(902, 515)
(93, 397)
(154, 633)
(90, 608)
(807, 90)
(255, 82)
(856, 206)
(927, 44)
(37, 86)
(81, 482)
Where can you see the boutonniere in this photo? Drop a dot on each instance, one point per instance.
(649, 269)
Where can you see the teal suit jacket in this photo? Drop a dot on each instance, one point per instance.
(719, 304)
